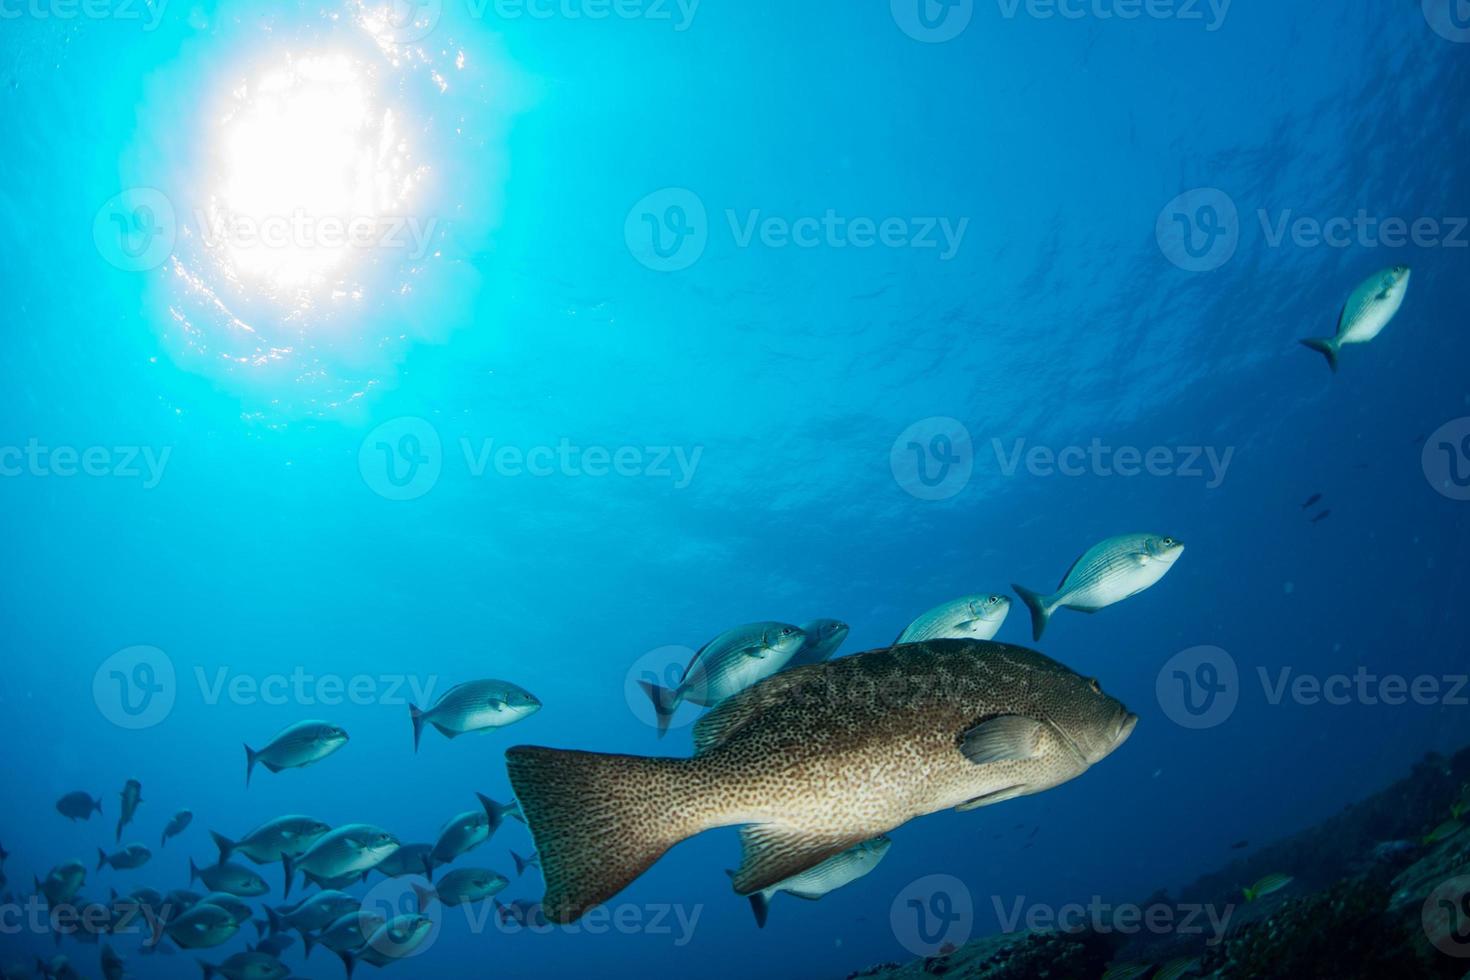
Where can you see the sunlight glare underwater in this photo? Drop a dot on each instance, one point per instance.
(309, 254)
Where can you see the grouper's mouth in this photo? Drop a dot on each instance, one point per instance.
(1125, 728)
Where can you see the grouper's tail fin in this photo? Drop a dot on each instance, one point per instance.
(1326, 348)
(599, 821)
(1040, 606)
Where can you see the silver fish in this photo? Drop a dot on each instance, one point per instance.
(78, 806)
(475, 706)
(823, 637)
(232, 904)
(312, 913)
(348, 850)
(727, 665)
(461, 886)
(292, 834)
(247, 966)
(202, 927)
(302, 744)
(274, 945)
(346, 933)
(830, 875)
(130, 857)
(1368, 310)
(408, 860)
(470, 829)
(396, 939)
(971, 617)
(62, 883)
(228, 877)
(132, 795)
(1108, 572)
(176, 826)
(113, 967)
(816, 760)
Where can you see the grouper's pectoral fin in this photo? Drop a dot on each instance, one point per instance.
(1003, 738)
(774, 852)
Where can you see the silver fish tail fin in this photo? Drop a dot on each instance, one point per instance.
(209, 970)
(1327, 348)
(308, 943)
(288, 865)
(274, 922)
(349, 960)
(665, 703)
(225, 845)
(417, 717)
(599, 821)
(499, 811)
(101, 858)
(760, 905)
(249, 764)
(193, 871)
(424, 896)
(1040, 606)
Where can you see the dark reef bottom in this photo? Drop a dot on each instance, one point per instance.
(1380, 890)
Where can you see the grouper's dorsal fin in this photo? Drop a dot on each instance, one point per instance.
(731, 714)
(775, 852)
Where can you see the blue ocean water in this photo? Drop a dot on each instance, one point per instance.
(687, 316)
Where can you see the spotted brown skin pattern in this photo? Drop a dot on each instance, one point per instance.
(813, 761)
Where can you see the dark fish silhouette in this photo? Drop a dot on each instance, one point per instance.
(1311, 500)
(1240, 845)
(1322, 517)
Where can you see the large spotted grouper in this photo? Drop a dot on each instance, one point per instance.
(815, 760)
